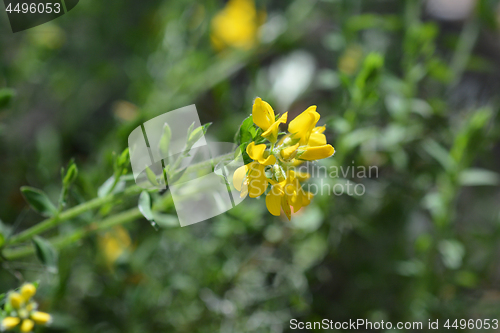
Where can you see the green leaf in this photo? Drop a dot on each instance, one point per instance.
(71, 175)
(165, 140)
(242, 150)
(123, 159)
(166, 220)
(478, 177)
(151, 177)
(196, 134)
(39, 201)
(245, 133)
(46, 253)
(145, 208)
(105, 188)
(439, 153)
(6, 95)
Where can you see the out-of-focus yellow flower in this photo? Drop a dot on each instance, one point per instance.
(27, 291)
(236, 25)
(114, 243)
(10, 322)
(40, 318)
(21, 309)
(351, 59)
(27, 325)
(16, 300)
(274, 164)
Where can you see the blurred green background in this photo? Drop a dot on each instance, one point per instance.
(407, 86)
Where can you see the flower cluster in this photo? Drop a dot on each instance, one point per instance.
(22, 311)
(273, 162)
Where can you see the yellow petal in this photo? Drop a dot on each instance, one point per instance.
(289, 152)
(303, 124)
(257, 180)
(319, 129)
(239, 175)
(301, 176)
(297, 202)
(306, 198)
(263, 114)
(15, 300)
(286, 207)
(10, 322)
(41, 318)
(272, 132)
(316, 139)
(257, 153)
(27, 291)
(27, 325)
(317, 153)
(273, 200)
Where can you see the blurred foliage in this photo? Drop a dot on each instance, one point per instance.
(398, 89)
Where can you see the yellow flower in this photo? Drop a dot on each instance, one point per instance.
(264, 117)
(311, 140)
(250, 178)
(28, 290)
(114, 243)
(41, 318)
(23, 311)
(278, 198)
(305, 141)
(302, 126)
(15, 300)
(10, 322)
(236, 25)
(289, 152)
(286, 194)
(317, 137)
(27, 325)
(258, 153)
(316, 153)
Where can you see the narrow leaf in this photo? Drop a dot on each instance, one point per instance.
(145, 208)
(71, 175)
(39, 201)
(165, 140)
(46, 253)
(151, 177)
(197, 134)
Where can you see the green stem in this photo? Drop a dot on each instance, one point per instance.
(61, 242)
(70, 214)
(66, 240)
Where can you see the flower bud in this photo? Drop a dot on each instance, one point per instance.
(41, 318)
(9, 323)
(27, 291)
(27, 325)
(15, 300)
